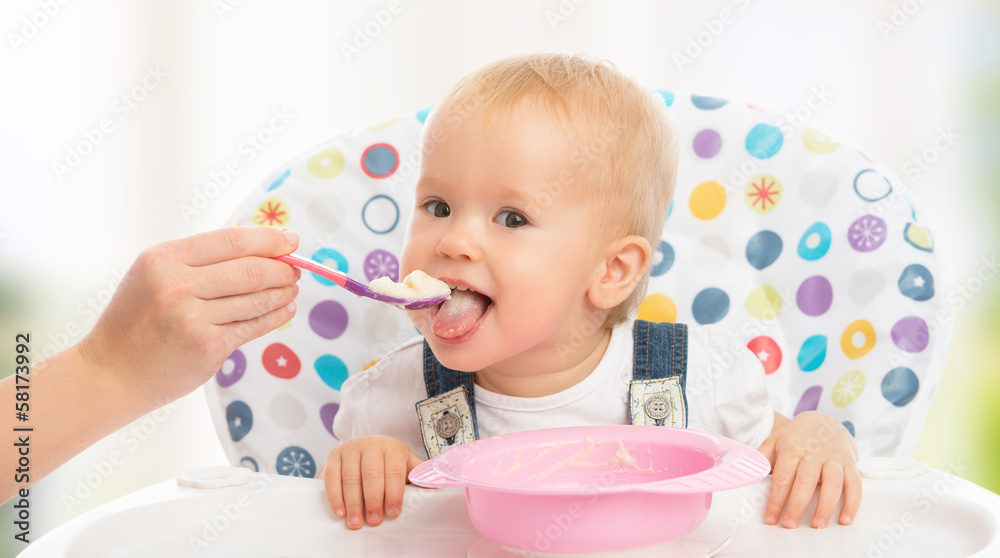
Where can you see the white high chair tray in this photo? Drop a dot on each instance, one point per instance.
(931, 515)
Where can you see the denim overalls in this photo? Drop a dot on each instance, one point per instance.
(656, 392)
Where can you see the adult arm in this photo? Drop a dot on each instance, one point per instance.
(183, 307)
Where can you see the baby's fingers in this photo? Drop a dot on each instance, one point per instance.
(781, 486)
(852, 494)
(373, 481)
(806, 478)
(395, 479)
(331, 482)
(829, 493)
(399, 461)
(351, 486)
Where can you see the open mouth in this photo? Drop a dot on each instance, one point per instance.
(460, 313)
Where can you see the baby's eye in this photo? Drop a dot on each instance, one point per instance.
(510, 219)
(438, 209)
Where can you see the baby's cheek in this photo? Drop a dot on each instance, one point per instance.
(406, 265)
(409, 256)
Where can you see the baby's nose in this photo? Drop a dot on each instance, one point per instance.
(460, 242)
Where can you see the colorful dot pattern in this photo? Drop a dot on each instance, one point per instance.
(793, 240)
(812, 253)
(278, 395)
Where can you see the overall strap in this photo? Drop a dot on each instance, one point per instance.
(657, 393)
(448, 415)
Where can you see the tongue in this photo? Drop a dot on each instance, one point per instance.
(459, 313)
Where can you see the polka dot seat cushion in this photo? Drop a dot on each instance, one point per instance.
(800, 244)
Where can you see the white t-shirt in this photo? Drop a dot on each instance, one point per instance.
(725, 390)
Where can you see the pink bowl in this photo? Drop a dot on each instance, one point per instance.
(592, 488)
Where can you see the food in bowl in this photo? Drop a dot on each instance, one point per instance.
(592, 489)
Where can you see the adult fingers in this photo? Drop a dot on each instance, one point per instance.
(351, 487)
(373, 482)
(248, 306)
(806, 478)
(234, 242)
(331, 483)
(781, 485)
(239, 333)
(240, 276)
(832, 483)
(852, 494)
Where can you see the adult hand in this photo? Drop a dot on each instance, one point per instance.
(182, 308)
(185, 305)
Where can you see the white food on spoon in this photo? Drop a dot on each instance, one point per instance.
(416, 285)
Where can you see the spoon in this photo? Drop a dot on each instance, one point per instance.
(358, 287)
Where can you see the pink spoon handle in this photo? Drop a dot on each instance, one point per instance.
(309, 265)
(356, 287)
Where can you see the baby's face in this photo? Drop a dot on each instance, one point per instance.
(500, 213)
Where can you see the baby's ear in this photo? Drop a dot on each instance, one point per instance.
(624, 265)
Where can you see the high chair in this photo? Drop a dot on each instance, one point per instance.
(808, 250)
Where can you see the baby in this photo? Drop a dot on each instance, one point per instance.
(544, 182)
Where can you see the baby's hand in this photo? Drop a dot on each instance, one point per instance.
(185, 305)
(364, 476)
(813, 448)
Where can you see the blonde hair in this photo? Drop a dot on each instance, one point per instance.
(631, 158)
